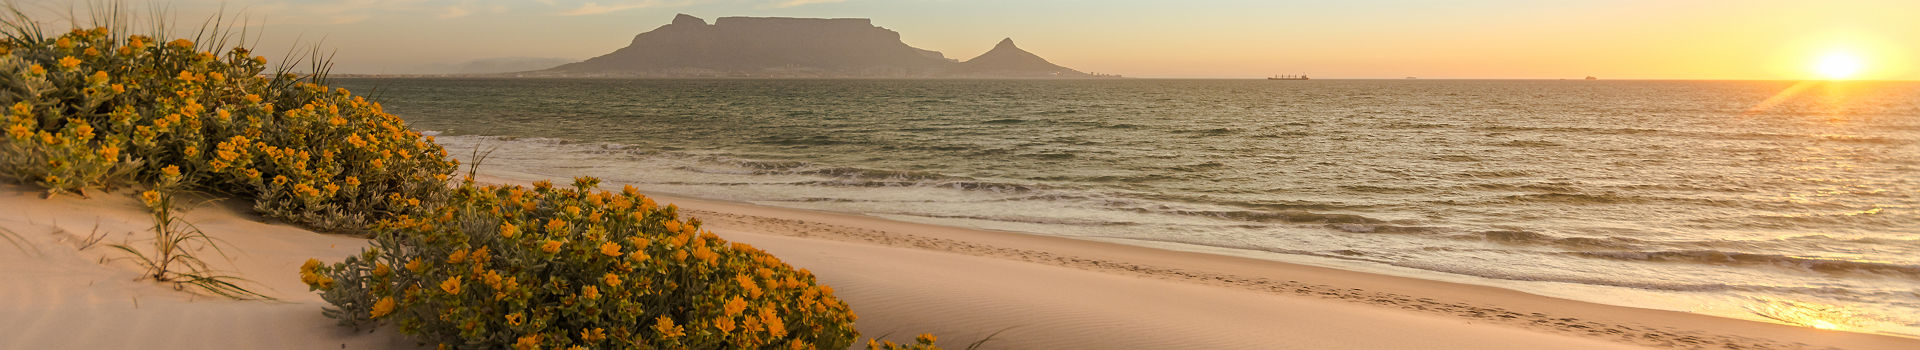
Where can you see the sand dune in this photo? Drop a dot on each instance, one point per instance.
(59, 296)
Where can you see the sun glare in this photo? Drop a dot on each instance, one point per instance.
(1838, 66)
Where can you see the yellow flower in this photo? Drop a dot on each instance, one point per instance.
(926, 338)
(451, 285)
(612, 279)
(19, 131)
(310, 265)
(775, 326)
(216, 76)
(151, 198)
(508, 230)
(170, 170)
(458, 256)
(37, 70)
(550, 247)
(182, 43)
(381, 269)
(63, 43)
(110, 152)
(515, 318)
(69, 61)
(610, 249)
(735, 306)
(382, 307)
(416, 265)
(117, 88)
(665, 328)
(99, 77)
(555, 225)
(527, 343)
(590, 292)
(92, 52)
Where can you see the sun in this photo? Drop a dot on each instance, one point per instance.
(1838, 66)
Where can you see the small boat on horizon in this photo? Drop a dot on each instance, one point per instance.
(1288, 77)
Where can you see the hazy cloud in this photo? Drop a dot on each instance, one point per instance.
(795, 3)
(593, 8)
(350, 11)
(454, 12)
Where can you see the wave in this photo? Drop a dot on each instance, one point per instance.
(1500, 274)
(1528, 144)
(1724, 258)
(1702, 135)
(1284, 216)
(1601, 198)
(1535, 238)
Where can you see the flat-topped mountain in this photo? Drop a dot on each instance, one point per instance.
(796, 47)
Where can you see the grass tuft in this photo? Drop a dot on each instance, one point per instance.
(175, 257)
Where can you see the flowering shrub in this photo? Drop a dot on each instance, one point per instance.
(546, 267)
(90, 109)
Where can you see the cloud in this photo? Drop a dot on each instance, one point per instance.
(797, 3)
(454, 12)
(593, 8)
(349, 18)
(350, 11)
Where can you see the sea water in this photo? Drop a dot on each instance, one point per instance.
(1794, 202)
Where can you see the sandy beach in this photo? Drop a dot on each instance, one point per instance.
(901, 278)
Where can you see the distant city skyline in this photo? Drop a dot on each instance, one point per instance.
(1497, 39)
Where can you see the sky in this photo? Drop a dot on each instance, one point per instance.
(1391, 39)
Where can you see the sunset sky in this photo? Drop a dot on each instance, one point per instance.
(1614, 39)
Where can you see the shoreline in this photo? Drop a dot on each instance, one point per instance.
(1473, 304)
(902, 278)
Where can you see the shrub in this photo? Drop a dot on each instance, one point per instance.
(500, 266)
(92, 109)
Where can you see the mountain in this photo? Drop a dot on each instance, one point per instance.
(1007, 60)
(795, 47)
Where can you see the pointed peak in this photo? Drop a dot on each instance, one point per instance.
(688, 19)
(1005, 43)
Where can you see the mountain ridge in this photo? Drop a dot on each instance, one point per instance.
(796, 47)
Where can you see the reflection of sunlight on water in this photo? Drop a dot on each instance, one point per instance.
(1810, 314)
(1829, 99)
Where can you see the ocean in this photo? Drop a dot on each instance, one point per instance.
(1786, 202)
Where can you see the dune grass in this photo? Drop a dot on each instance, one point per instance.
(175, 257)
